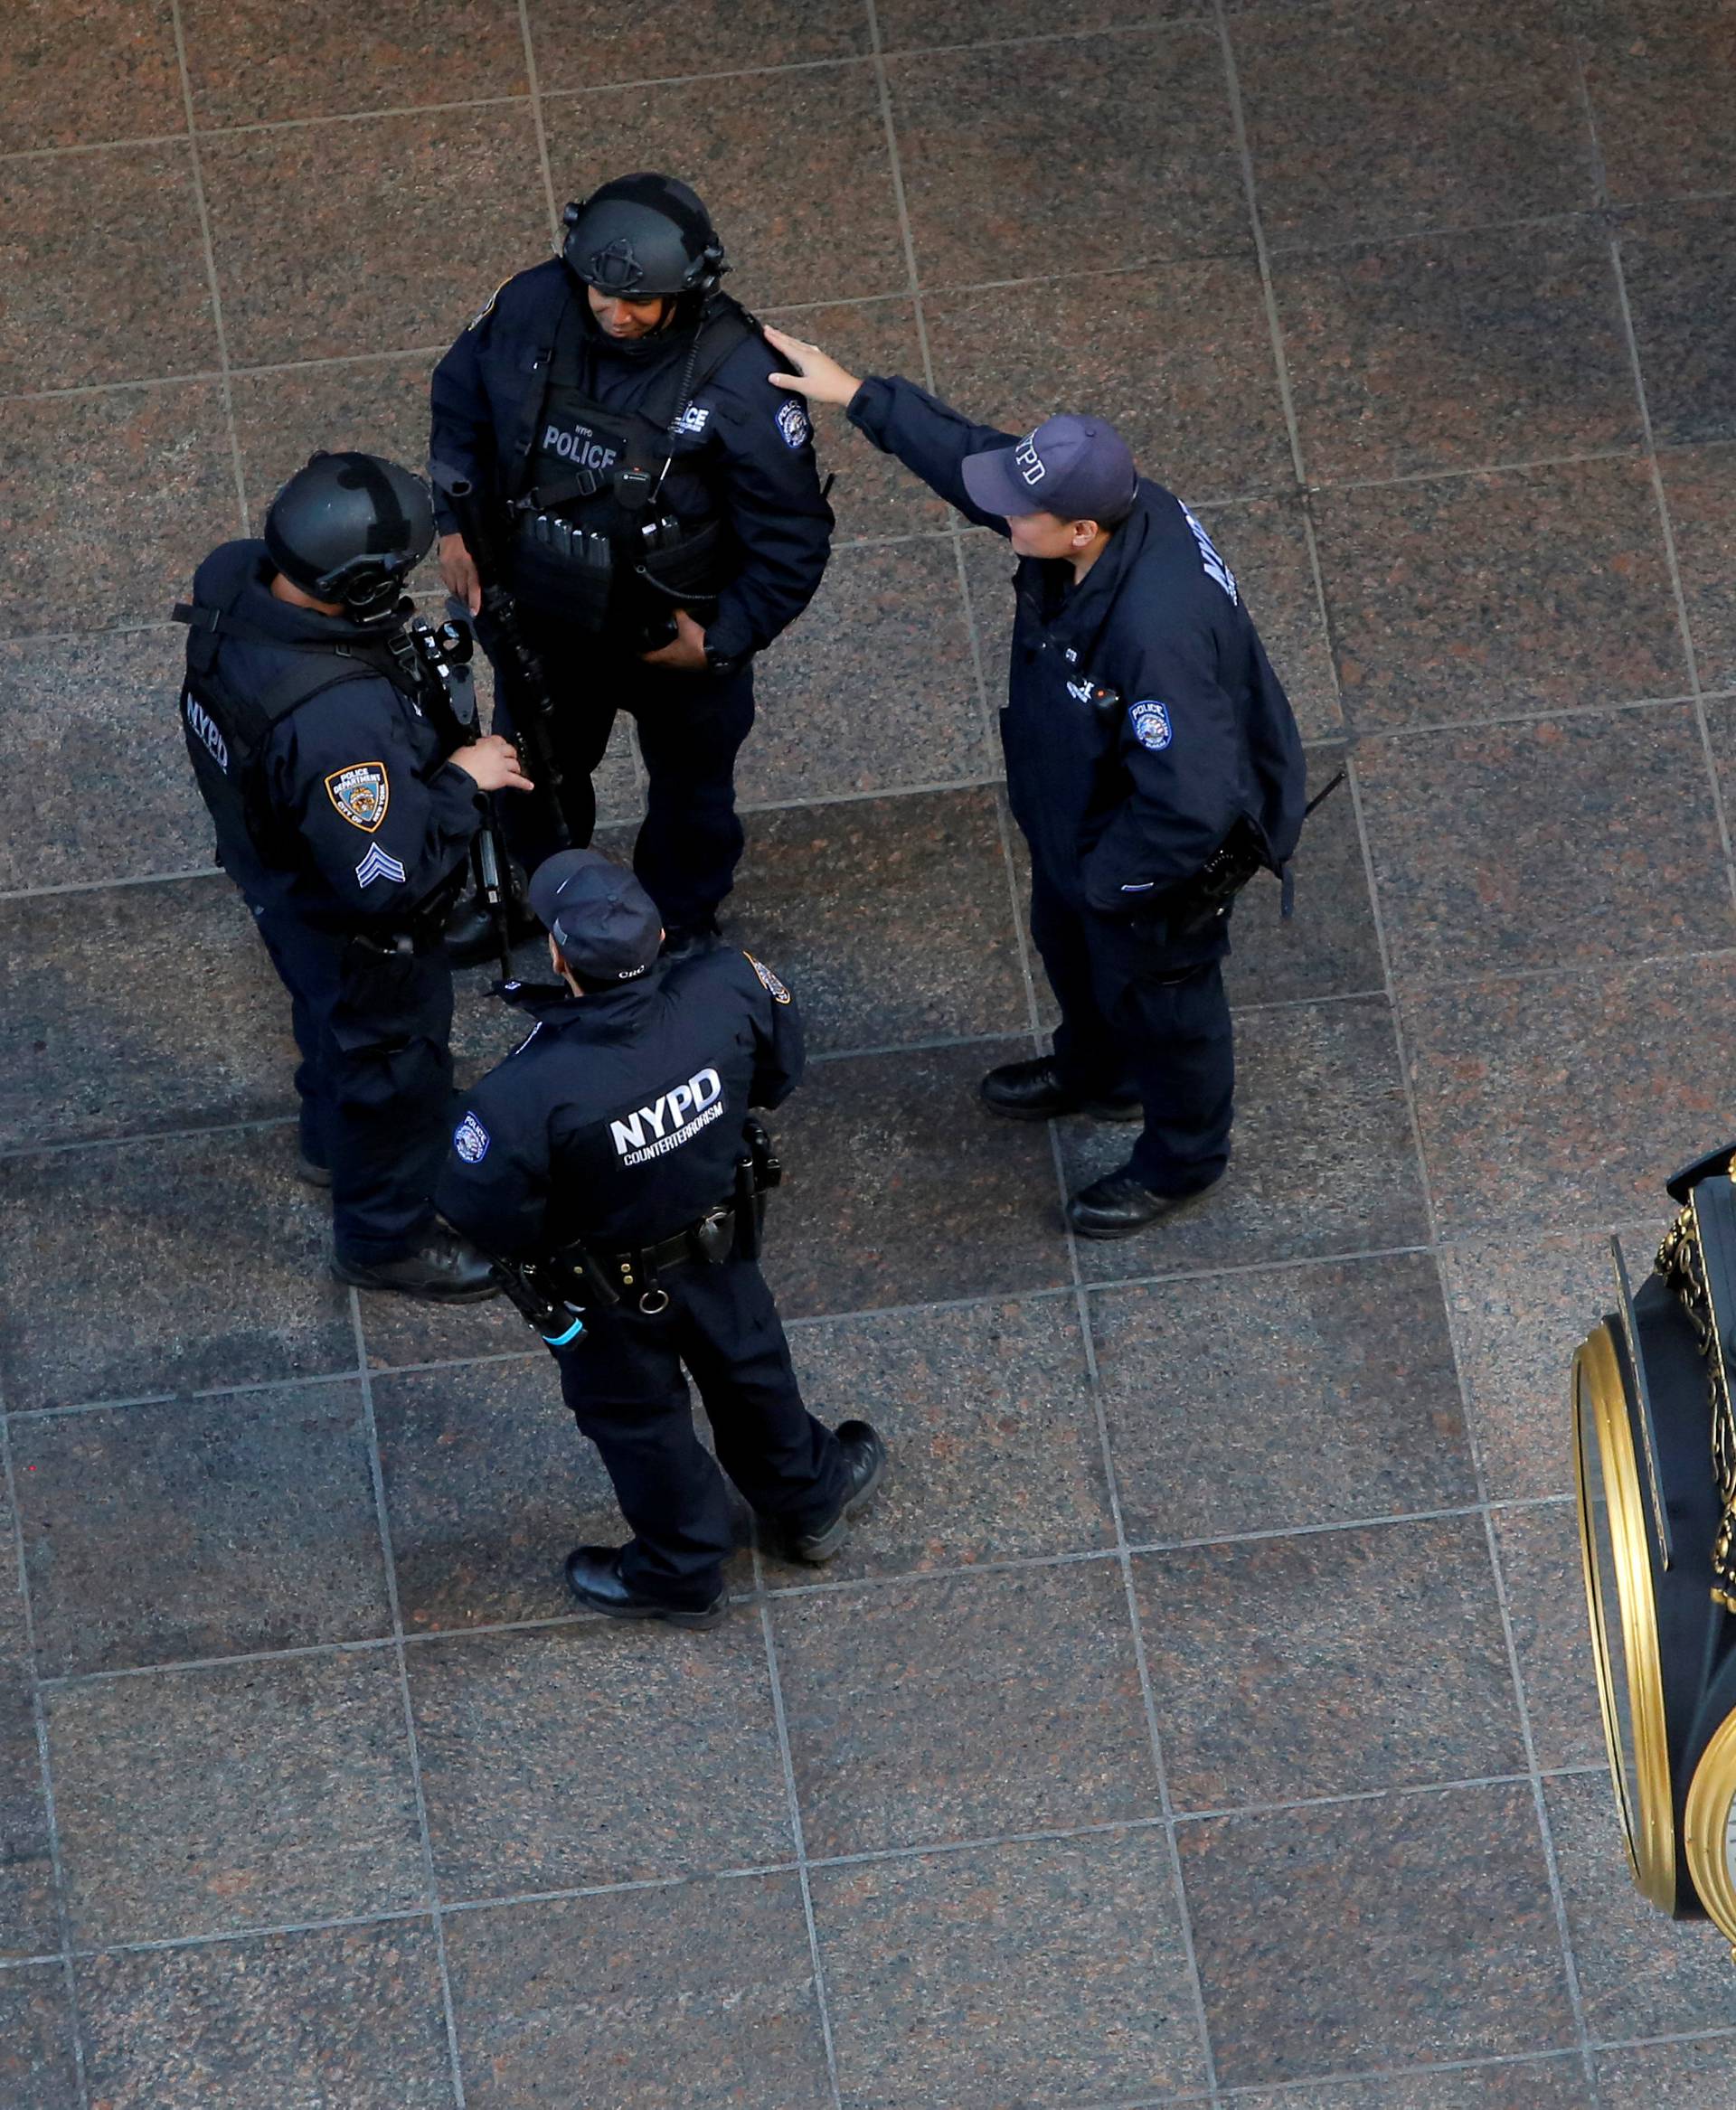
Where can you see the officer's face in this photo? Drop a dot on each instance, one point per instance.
(625, 319)
(1046, 534)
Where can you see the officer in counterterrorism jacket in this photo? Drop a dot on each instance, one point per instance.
(618, 1126)
(346, 800)
(1144, 730)
(662, 515)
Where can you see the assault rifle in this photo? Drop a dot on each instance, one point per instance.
(1193, 904)
(443, 651)
(516, 663)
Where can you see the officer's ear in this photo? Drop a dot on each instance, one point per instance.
(1083, 533)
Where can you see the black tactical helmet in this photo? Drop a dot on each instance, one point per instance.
(348, 528)
(643, 237)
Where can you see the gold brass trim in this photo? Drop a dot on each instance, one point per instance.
(1680, 1261)
(1649, 1832)
(1710, 1793)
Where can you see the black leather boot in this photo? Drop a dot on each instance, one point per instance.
(1033, 1091)
(594, 1577)
(445, 1271)
(864, 1457)
(1120, 1204)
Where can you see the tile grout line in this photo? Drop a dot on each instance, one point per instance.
(45, 1775)
(201, 205)
(537, 119)
(798, 1837)
(377, 1475)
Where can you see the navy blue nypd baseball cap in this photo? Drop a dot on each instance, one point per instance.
(608, 928)
(1077, 468)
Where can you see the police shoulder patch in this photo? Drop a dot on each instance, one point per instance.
(1151, 726)
(487, 307)
(361, 792)
(769, 982)
(792, 421)
(470, 1139)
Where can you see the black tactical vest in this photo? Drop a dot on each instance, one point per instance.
(616, 527)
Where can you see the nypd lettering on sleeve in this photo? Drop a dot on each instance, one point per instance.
(470, 1139)
(206, 730)
(1151, 725)
(672, 1118)
(361, 792)
(769, 982)
(792, 421)
(1214, 565)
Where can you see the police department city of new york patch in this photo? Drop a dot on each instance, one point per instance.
(361, 792)
(470, 1139)
(769, 982)
(1151, 726)
(792, 421)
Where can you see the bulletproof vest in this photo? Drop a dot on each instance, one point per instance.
(614, 528)
(226, 726)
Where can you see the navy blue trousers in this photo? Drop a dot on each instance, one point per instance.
(375, 1079)
(1142, 1018)
(691, 729)
(624, 1380)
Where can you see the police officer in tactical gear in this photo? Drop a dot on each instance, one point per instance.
(346, 800)
(1145, 734)
(660, 508)
(614, 1140)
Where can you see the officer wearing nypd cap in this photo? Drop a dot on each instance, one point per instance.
(1143, 728)
(660, 509)
(345, 799)
(617, 1126)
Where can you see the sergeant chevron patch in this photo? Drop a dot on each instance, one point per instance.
(375, 865)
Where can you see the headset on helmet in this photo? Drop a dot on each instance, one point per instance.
(644, 237)
(349, 528)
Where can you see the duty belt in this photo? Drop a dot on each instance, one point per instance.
(635, 1271)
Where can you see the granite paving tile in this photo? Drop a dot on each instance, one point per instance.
(597, 1754)
(1640, 1974)
(186, 1264)
(1474, 597)
(900, 1189)
(240, 1523)
(1669, 2076)
(68, 323)
(1330, 1664)
(248, 64)
(1555, 2082)
(1050, 1972)
(118, 542)
(1556, 1099)
(1456, 350)
(15, 1647)
(1557, 842)
(1539, 1550)
(242, 1795)
(1327, 947)
(1519, 1308)
(1660, 79)
(911, 25)
(580, 46)
(404, 225)
(793, 166)
(938, 956)
(201, 1034)
(874, 494)
(963, 1707)
(1411, 118)
(379, 406)
(1267, 541)
(489, 1487)
(105, 70)
(38, 2067)
(1680, 265)
(682, 1997)
(994, 1441)
(1179, 358)
(348, 2016)
(982, 199)
(94, 778)
(1300, 1396)
(29, 1925)
(1448, 1891)
(1322, 1159)
(1700, 486)
(874, 687)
